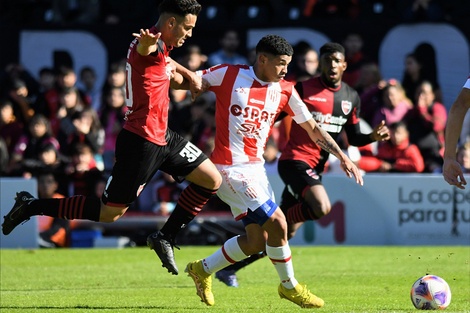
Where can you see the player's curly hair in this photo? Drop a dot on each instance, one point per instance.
(331, 47)
(275, 45)
(180, 7)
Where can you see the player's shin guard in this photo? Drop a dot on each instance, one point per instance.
(281, 258)
(228, 254)
(300, 212)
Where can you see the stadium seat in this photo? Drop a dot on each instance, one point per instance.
(251, 15)
(213, 16)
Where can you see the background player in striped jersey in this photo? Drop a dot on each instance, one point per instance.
(452, 170)
(145, 144)
(334, 105)
(248, 100)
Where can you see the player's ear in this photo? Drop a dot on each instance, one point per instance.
(171, 22)
(262, 59)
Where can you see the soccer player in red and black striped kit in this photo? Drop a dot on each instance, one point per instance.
(146, 144)
(334, 106)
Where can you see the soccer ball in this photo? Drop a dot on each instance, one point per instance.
(430, 292)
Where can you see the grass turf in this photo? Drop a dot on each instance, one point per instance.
(349, 279)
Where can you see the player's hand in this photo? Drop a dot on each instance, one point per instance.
(146, 38)
(195, 86)
(452, 172)
(351, 170)
(381, 132)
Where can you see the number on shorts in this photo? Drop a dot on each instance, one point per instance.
(190, 152)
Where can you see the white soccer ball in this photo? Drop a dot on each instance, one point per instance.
(430, 292)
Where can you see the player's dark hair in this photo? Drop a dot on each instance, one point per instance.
(332, 47)
(180, 7)
(275, 45)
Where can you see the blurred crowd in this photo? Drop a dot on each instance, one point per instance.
(61, 128)
(80, 12)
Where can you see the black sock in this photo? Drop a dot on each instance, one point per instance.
(76, 207)
(245, 262)
(190, 203)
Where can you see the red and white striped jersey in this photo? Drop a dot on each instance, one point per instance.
(147, 96)
(246, 109)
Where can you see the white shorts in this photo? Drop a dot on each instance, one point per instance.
(244, 186)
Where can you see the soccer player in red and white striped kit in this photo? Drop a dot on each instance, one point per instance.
(248, 100)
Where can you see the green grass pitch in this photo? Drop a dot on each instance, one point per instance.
(349, 279)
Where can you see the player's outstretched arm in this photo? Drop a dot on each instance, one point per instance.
(327, 143)
(452, 170)
(147, 41)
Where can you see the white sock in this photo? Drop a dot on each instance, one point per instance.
(282, 260)
(228, 254)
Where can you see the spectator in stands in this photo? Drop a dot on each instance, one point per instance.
(53, 232)
(305, 63)
(420, 65)
(47, 101)
(193, 58)
(34, 137)
(394, 104)
(20, 97)
(91, 90)
(355, 58)
(83, 173)
(167, 192)
(112, 116)
(369, 87)
(426, 122)
(369, 78)
(4, 157)
(67, 79)
(116, 77)
(82, 127)
(463, 157)
(395, 155)
(421, 10)
(69, 103)
(342, 9)
(14, 71)
(10, 127)
(227, 54)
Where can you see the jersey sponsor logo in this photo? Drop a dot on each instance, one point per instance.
(346, 106)
(331, 128)
(321, 118)
(190, 152)
(256, 101)
(249, 130)
(252, 113)
(313, 98)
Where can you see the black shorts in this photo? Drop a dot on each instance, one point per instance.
(137, 161)
(297, 177)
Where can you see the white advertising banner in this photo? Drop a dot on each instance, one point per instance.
(390, 209)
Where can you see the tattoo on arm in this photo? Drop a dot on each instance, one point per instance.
(327, 143)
